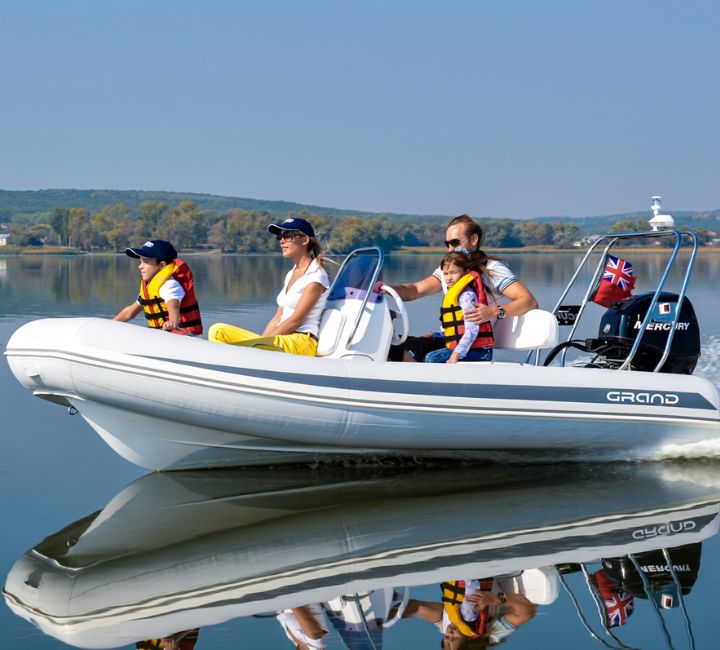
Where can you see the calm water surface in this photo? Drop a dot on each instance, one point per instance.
(221, 548)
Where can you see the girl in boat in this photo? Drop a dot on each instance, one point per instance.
(477, 614)
(465, 232)
(464, 340)
(294, 327)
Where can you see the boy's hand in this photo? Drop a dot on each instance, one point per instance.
(173, 317)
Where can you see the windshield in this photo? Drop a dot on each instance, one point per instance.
(356, 276)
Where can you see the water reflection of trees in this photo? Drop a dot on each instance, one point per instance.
(100, 284)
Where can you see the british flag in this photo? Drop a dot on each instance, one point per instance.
(619, 606)
(619, 272)
(616, 283)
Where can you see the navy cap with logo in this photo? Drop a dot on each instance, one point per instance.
(293, 223)
(157, 249)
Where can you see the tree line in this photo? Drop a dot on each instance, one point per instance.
(114, 227)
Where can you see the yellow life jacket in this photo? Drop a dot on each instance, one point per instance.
(156, 312)
(452, 318)
(453, 595)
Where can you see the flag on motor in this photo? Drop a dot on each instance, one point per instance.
(616, 283)
(619, 605)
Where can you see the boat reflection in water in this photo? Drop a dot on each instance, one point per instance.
(339, 549)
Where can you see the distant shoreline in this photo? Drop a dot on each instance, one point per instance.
(540, 250)
(414, 250)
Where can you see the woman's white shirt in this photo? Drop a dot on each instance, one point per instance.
(288, 299)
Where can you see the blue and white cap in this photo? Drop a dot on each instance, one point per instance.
(157, 249)
(293, 223)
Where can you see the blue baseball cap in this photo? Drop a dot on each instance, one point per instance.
(157, 249)
(293, 223)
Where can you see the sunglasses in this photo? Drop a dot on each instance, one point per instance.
(452, 243)
(288, 234)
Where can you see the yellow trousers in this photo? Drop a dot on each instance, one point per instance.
(294, 343)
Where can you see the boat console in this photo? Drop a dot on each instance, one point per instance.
(357, 322)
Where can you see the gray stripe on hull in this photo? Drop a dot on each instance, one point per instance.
(474, 391)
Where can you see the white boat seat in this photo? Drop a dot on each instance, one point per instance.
(332, 324)
(534, 329)
(540, 586)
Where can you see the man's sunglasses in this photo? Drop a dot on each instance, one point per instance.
(452, 243)
(288, 234)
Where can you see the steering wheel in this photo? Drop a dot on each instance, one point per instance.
(400, 321)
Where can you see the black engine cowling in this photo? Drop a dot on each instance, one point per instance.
(659, 581)
(620, 325)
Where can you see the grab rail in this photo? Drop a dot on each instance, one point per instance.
(597, 274)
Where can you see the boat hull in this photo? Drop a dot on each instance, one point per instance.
(171, 402)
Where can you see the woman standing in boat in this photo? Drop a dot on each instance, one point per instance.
(465, 232)
(294, 327)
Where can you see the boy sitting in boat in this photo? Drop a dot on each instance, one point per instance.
(167, 290)
(464, 340)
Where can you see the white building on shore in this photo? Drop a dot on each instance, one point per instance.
(660, 221)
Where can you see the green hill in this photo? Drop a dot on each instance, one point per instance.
(35, 206)
(32, 207)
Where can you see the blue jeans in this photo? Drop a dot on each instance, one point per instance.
(474, 354)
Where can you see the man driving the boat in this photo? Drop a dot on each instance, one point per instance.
(465, 232)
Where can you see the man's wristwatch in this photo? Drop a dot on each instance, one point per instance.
(501, 313)
(502, 597)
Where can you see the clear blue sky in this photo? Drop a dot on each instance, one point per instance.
(501, 108)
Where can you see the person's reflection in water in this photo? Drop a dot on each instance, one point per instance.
(503, 618)
(482, 613)
(305, 626)
(185, 640)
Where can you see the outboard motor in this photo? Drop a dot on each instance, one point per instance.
(659, 582)
(620, 325)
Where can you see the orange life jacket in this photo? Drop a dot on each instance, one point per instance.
(155, 309)
(451, 315)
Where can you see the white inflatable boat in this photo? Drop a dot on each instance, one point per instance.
(173, 402)
(190, 549)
